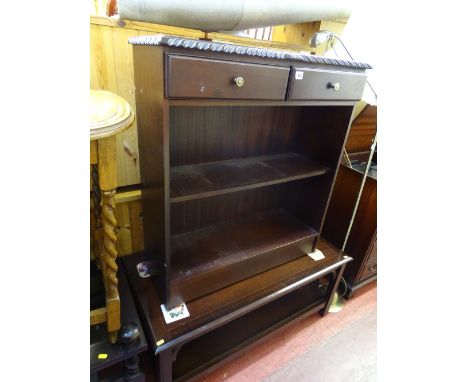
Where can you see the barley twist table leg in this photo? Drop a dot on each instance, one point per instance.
(110, 240)
(109, 224)
(96, 195)
(97, 213)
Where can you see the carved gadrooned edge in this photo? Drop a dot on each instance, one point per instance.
(223, 47)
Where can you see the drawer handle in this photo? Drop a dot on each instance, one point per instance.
(335, 86)
(373, 268)
(239, 81)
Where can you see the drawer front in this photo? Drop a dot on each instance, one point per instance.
(318, 84)
(192, 77)
(370, 269)
(373, 252)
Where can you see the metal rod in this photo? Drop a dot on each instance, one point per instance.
(343, 45)
(349, 54)
(374, 144)
(346, 158)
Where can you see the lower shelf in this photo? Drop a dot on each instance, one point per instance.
(221, 254)
(219, 344)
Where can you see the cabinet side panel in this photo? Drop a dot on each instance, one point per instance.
(153, 144)
(339, 215)
(341, 207)
(363, 231)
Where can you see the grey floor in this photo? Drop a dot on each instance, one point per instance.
(348, 356)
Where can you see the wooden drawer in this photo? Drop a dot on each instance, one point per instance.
(193, 77)
(318, 84)
(370, 269)
(373, 252)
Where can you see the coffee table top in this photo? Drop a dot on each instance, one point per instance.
(109, 114)
(233, 301)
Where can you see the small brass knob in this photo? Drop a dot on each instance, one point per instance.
(335, 86)
(239, 81)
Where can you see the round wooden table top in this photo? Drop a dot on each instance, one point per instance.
(109, 114)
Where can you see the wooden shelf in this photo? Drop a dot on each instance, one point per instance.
(221, 343)
(218, 255)
(215, 178)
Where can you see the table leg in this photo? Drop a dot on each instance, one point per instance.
(164, 366)
(132, 370)
(109, 223)
(108, 183)
(97, 212)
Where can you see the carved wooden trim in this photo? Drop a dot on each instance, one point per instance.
(223, 47)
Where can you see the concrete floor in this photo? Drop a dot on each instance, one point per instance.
(340, 347)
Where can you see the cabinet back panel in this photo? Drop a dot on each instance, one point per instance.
(193, 214)
(306, 199)
(206, 134)
(322, 133)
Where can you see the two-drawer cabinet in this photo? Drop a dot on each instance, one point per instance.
(198, 77)
(238, 155)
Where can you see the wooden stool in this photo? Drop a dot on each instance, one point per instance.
(109, 115)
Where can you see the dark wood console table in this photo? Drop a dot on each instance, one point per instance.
(239, 148)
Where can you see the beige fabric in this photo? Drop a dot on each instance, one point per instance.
(218, 15)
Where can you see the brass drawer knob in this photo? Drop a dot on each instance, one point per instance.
(239, 81)
(373, 267)
(334, 85)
